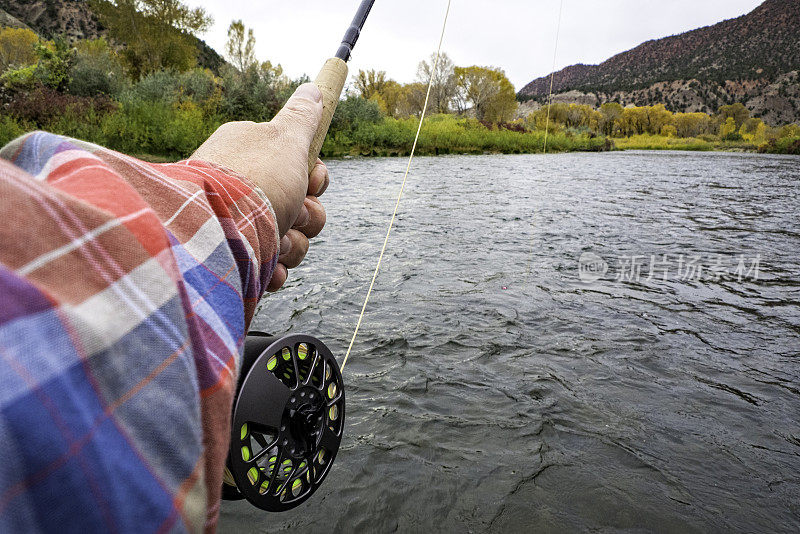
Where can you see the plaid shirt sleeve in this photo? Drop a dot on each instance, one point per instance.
(126, 289)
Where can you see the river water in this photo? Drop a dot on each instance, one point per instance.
(558, 343)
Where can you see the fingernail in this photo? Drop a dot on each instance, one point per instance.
(309, 91)
(302, 219)
(286, 245)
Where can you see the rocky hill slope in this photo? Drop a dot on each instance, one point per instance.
(753, 59)
(74, 19)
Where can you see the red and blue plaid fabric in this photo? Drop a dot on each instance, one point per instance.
(126, 289)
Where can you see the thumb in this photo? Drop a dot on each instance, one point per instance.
(299, 119)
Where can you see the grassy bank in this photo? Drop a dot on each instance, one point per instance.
(445, 134)
(790, 145)
(172, 131)
(164, 130)
(660, 142)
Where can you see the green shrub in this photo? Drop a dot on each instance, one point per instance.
(784, 145)
(201, 85)
(11, 128)
(159, 86)
(250, 95)
(355, 111)
(21, 79)
(97, 70)
(157, 128)
(187, 129)
(55, 62)
(85, 124)
(197, 86)
(790, 130)
(733, 136)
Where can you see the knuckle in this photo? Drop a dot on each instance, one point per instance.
(301, 106)
(268, 132)
(303, 112)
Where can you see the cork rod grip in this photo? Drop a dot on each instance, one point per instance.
(330, 81)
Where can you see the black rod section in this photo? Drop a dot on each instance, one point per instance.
(351, 36)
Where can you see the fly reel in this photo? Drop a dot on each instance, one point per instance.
(287, 422)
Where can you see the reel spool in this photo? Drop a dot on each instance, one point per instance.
(288, 420)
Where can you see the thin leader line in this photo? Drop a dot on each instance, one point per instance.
(546, 130)
(552, 76)
(402, 189)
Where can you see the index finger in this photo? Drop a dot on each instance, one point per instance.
(318, 179)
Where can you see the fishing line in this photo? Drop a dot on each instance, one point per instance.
(402, 189)
(546, 128)
(552, 76)
(289, 409)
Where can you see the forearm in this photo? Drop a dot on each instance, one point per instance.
(140, 281)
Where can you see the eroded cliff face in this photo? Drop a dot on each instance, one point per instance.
(71, 18)
(753, 59)
(775, 102)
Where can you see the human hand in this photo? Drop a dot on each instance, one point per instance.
(275, 156)
(309, 223)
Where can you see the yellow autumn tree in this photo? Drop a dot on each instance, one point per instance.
(241, 46)
(392, 95)
(669, 130)
(633, 121)
(728, 129)
(692, 124)
(412, 99)
(657, 118)
(488, 91)
(754, 130)
(738, 112)
(610, 112)
(790, 130)
(370, 82)
(17, 48)
(157, 33)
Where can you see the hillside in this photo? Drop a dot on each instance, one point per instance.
(754, 59)
(7, 20)
(74, 19)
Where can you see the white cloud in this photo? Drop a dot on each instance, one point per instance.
(516, 35)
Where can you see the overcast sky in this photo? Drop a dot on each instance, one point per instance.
(516, 35)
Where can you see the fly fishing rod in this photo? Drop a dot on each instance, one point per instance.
(288, 414)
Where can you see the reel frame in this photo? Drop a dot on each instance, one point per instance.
(287, 422)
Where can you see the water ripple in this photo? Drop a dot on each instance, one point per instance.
(491, 390)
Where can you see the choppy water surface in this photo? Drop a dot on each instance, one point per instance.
(668, 402)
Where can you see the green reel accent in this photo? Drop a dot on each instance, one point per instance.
(288, 422)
